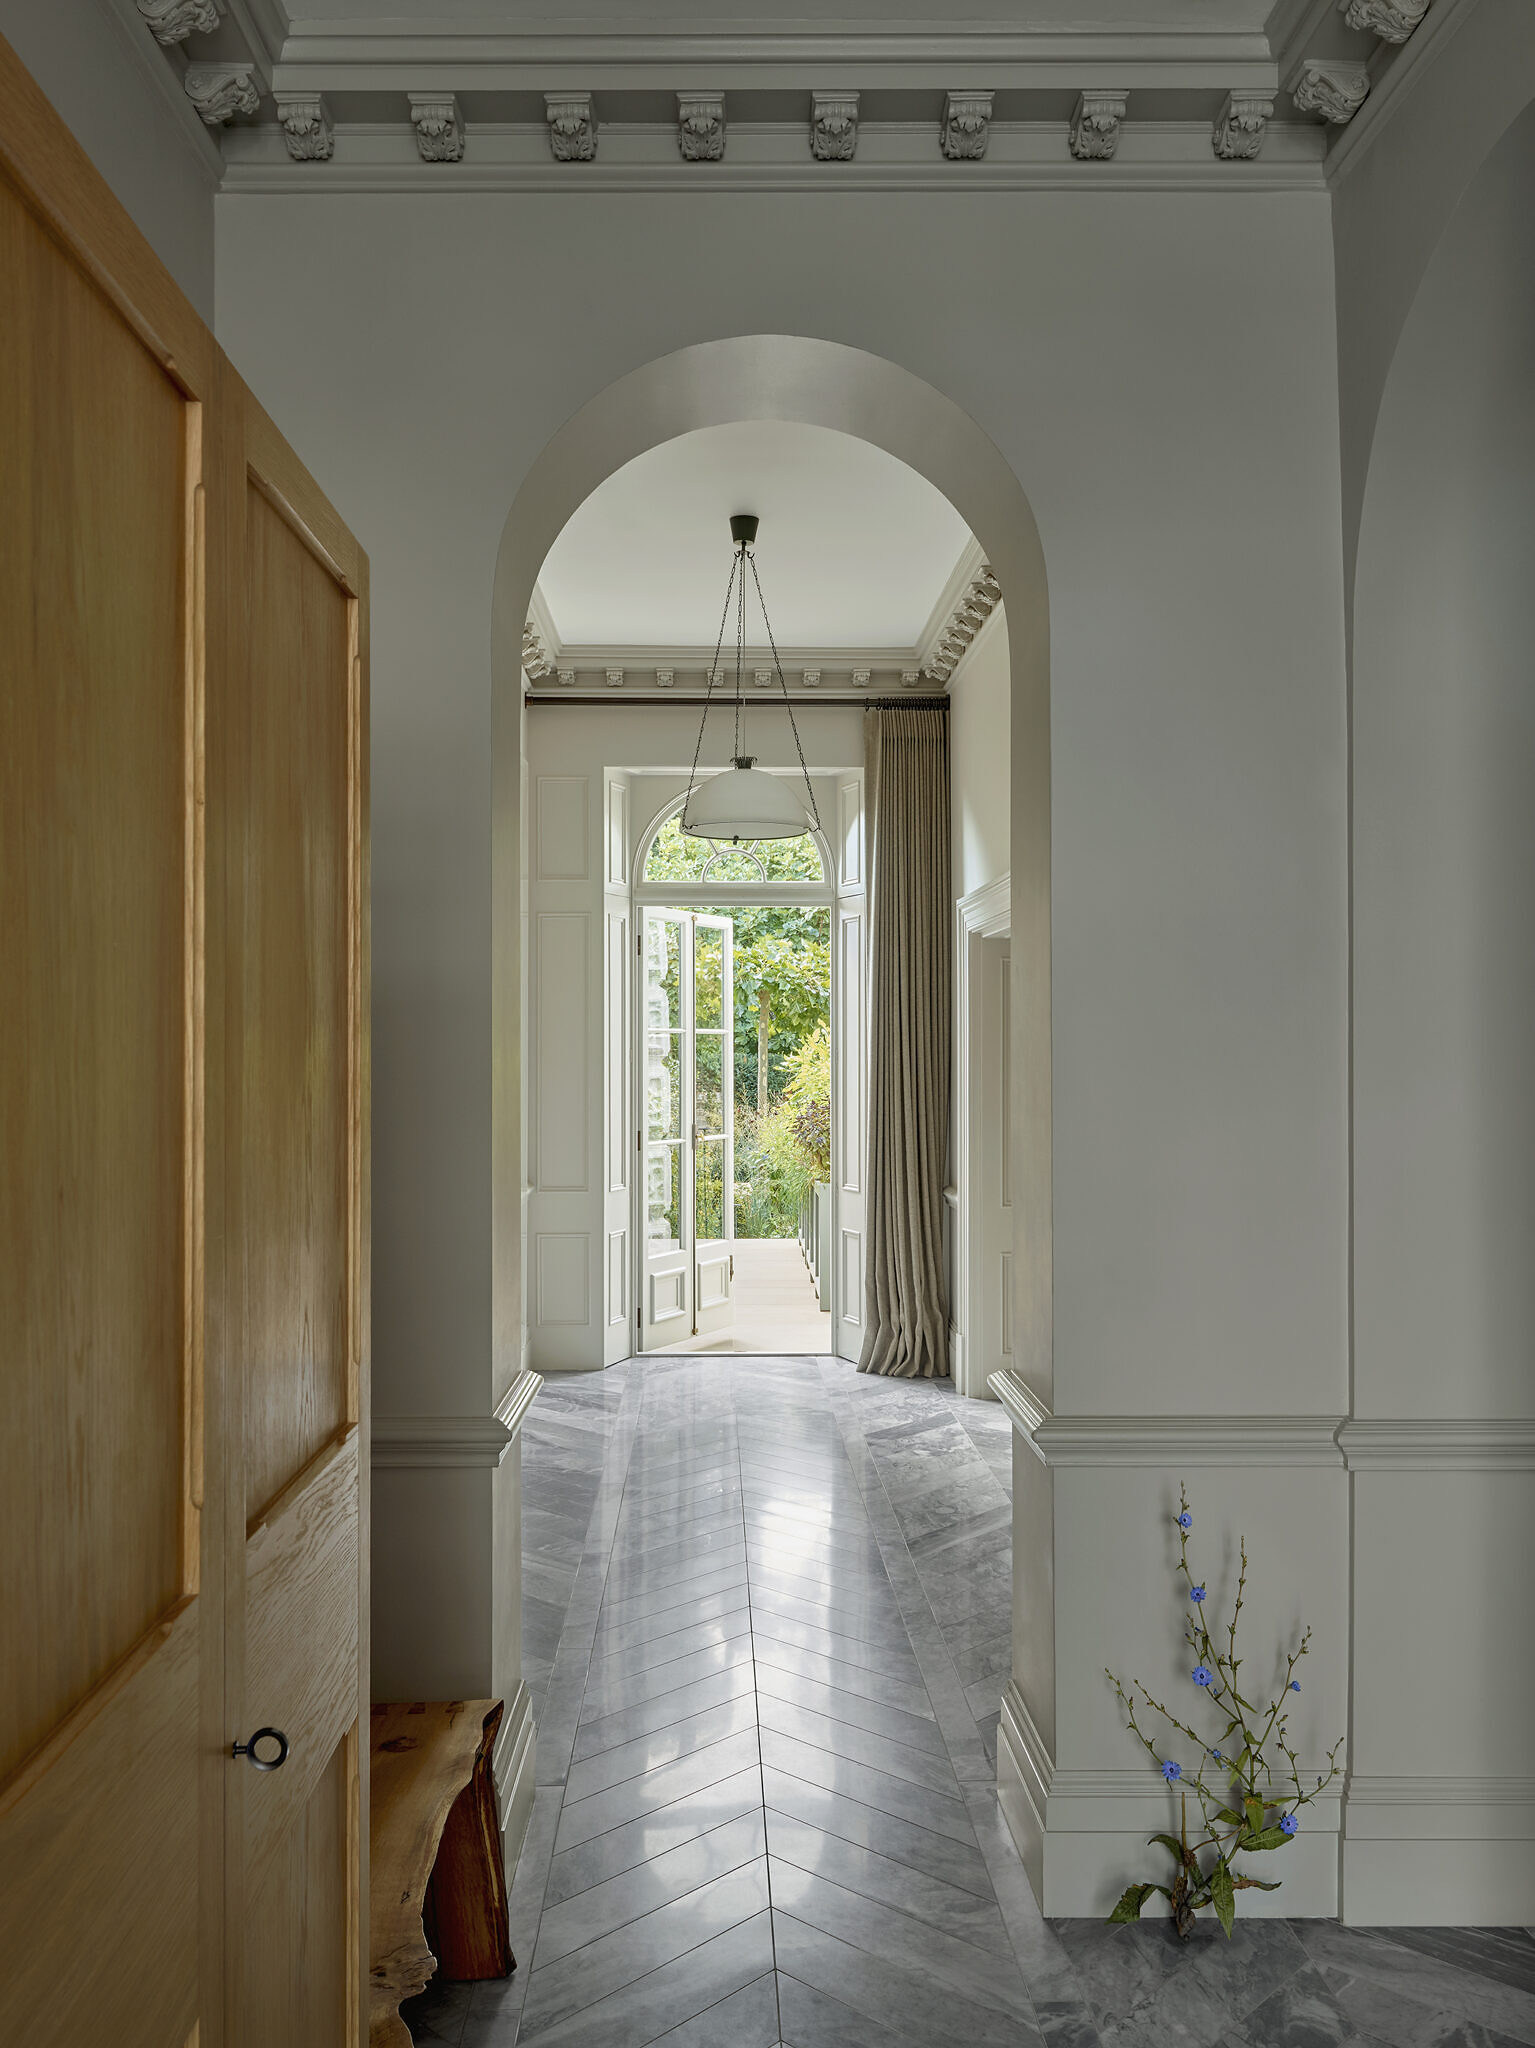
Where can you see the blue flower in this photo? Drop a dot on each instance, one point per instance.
(1202, 1674)
(1216, 1755)
(1198, 1593)
(1288, 1824)
(1172, 1772)
(1185, 1520)
(1295, 1685)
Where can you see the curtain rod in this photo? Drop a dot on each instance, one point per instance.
(934, 699)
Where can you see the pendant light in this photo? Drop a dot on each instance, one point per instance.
(743, 803)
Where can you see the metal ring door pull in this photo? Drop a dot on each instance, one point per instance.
(264, 1763)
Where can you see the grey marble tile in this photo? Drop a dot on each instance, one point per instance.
(900, 1995)
(1302, 2013)
(1380, 2013)
(620, 1688)
(1375, 1956)
(843, 1740)
(877, 1717)
(652, 1834)
(647, 1750)
(909, 1694)
(583, 1818)
(836, 1617)
(664, 1998)
(746, 2019)
(573, 1922)
(951, 1856)
(813, 2020)
(888, 1656)
(436, 2018)
(942, 1813)
(1505, 1954)
(625, 1658)
(609, 1636)
(931, 1900)
(632, 1605)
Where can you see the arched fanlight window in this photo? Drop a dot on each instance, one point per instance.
(676, 856)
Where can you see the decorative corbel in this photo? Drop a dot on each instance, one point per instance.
(572, 127)
(1392, 20)
(665, 678)
(306, 126)
(861, 678)
(701, 126)
(1332, 88)
(910, 677)
(439, 127)
(566, 678)
(763, 678)
(219, 91)
(966, 126)
(535, 656)
(172, 21)
(1240, 126)
(1094, 132)
(833, 126)
(811, 678)
(614, 678)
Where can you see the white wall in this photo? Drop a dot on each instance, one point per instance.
(581, 936)
(1442, 1811)
(101, 75)
(1159, 371)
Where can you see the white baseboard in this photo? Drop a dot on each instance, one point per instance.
(514, 1768)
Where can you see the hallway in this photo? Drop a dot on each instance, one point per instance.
(776, 1309)
(766, 1810)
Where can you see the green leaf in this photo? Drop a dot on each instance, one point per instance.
(1130, 1904)
(1230, 1819)
(1256, 1884)
(1254, 1809)
(1264, 1838)
(1223, 1897)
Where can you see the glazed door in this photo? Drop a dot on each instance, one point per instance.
(109, 1611)
(713, 1123)
(290, 1325)
(665, 1141)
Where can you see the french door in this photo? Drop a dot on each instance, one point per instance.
(687, 1128)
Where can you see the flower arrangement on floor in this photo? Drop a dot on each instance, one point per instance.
(1238, 1810)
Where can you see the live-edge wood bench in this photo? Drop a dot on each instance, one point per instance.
(437, 1882)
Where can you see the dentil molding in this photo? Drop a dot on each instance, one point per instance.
(439, 127)
(220, 91)
(172, 21)
(306, 126)
(435, 1442)
(1240, 126)
(572, 127)
(833, 126)
(701, 127)
(1392, 20)
(966, 127)
(1093, 136)
(975, 606)
(1332, 88)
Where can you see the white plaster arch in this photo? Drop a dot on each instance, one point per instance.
(828, 384)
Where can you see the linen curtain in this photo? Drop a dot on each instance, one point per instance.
(906, 763)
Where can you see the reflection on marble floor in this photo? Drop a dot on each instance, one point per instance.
(766, 1629)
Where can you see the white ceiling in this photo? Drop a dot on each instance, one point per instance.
(855, 549)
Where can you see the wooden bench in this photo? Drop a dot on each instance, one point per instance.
(437, 1881)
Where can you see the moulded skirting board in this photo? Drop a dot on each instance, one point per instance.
(515, 1774)
(1439, 1809)
(448, 1440)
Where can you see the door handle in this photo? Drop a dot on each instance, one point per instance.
(264, 1763)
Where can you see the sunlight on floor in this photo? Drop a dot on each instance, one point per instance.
(775, 1301)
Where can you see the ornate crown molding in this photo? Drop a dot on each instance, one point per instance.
(1392, 20)
(1331, 87)
(439, 127)
(966, 126)
(764, 678)
(1094, 132)
(614, 678)
(566, 678)
(811, 678)
(535, 655)
(666, 678)
(572, 127)
(701, 126)
(172, 21)
(1241, 125)
(975, 607)
(862, 678)
(306, 126)
(220, 91)
(833, 126)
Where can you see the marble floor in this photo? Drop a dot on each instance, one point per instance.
(766, 1626)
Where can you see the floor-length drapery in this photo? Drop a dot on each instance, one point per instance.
(906, 754)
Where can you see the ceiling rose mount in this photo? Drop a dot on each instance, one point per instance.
(743, 803)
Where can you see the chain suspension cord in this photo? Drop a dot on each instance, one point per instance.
(778, 666)
(714, 666)
(741, 654)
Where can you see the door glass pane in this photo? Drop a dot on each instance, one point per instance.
(663, 1084)
(709, 1084)
(709, 1190)
(708, 977)
(663, 1196)
(663, 974)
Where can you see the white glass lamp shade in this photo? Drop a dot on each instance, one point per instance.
(743, 803)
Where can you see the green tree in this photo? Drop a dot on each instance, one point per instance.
(786, 978)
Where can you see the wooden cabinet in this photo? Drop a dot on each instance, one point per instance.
(183, 1162)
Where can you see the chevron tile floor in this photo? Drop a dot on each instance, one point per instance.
(767, 1611)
